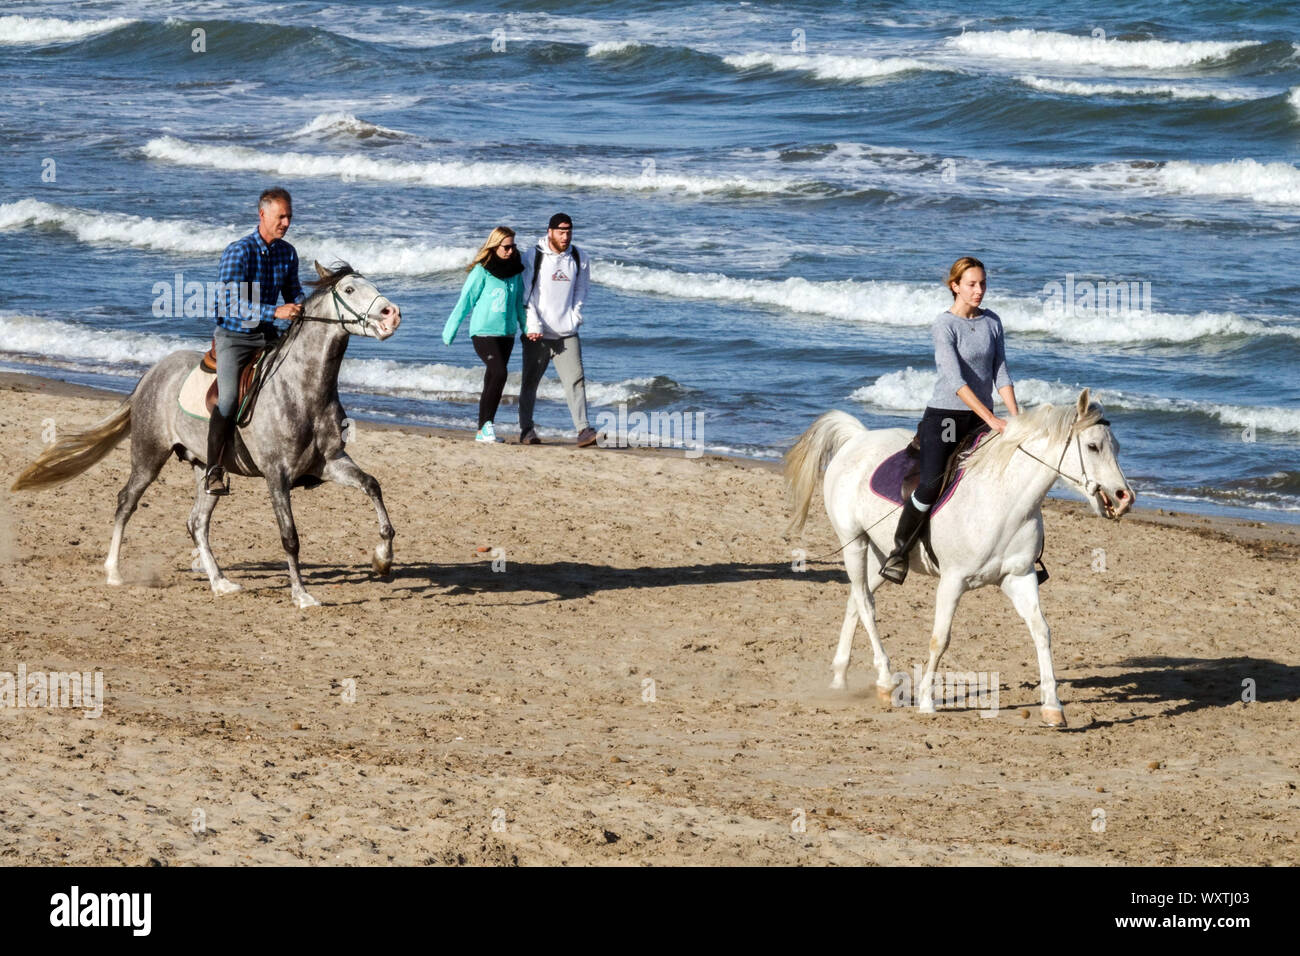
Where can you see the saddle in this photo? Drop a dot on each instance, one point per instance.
(198, 395)
(897, 476)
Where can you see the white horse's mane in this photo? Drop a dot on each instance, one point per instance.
(1058, 424)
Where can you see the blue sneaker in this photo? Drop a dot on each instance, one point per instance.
(487, 434)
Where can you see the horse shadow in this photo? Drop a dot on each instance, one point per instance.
(560, 580)
(1190, 684)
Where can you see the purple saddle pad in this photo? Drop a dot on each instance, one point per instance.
(887, 480)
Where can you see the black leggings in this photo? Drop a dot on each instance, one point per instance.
(940, 431)
(494, 350)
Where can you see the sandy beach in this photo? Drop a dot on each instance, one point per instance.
(644, 680)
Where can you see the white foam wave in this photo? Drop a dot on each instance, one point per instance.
(910, 390)
(1294, 99)
(1276, 183)
(192, 238)
(446, 174)
(1069, 49)
(16, 30)
(613, 47)
(344, 124)
(1177, 91)
(828, 67)
(915, 305)
(438, 380)
(106, 350)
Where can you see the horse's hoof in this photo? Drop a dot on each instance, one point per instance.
(305, 600)
(114, 579)
(225, 586)
(926, 709)
(1054, 717)
(885, 694)
(838, 683)
(382, 568)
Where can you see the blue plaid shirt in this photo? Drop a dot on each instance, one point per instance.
(250, 260)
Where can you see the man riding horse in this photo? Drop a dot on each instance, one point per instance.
(267, 267)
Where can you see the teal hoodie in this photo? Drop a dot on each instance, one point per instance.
(495, 306)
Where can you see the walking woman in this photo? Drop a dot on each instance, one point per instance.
(493, 298)
(970, 355)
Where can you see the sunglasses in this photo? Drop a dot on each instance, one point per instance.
(506, 246)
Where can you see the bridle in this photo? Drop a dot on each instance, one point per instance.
(340, 306)
(1088, 486)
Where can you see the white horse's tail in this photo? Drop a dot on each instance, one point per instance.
(75, 452)
(810, 456)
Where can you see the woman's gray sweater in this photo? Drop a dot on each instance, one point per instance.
(968, 352)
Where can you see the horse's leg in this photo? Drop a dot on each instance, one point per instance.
(862, 606)
(346, 472)
(279, 485)
(145, 464)
(1023, 591)
(947, 595)
(197, 525)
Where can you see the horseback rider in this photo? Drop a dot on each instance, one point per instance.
(970, 355)
(255, 271)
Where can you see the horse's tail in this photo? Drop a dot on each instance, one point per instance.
(810, 456)
(74, 453)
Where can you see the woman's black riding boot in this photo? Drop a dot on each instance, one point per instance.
(910, 524)
(219, 429)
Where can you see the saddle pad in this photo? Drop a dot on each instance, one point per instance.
(887, 480)
(194, 392)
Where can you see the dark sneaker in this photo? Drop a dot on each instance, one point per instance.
(587, 437)
(214, 481)
(529, 437)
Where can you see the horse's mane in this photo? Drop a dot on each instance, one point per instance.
(1058, 424)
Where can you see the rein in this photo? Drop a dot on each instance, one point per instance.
(1087, 485)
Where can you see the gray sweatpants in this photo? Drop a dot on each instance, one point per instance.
(567, 353)
(234, 349)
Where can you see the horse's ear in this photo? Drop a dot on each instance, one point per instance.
(322, 273)
(1083, 403)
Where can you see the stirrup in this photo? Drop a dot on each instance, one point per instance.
(897, 574)
(215, 481)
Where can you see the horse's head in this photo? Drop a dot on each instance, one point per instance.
(1106, 488)
(359, 307)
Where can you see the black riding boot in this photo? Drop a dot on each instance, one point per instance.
(220, 430)
(910, 524)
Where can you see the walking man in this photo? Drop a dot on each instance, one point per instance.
(255, 271)
(556, 278)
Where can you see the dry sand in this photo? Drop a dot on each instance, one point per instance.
(500, 717)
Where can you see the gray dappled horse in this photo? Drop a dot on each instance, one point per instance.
(294, 438)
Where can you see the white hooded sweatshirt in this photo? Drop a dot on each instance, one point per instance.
(554, 307)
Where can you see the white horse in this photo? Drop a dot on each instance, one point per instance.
(989, 532)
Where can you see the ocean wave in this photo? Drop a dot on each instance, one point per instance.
(613, 47)
(862, 302)
(915, 305)
(1071, 50)
(446, 174)
(828, 67)
(398, 257)
(1177, 91)
(909, 390)
(81, 347)
(1273, 183)
(18, 30)
(346, 125)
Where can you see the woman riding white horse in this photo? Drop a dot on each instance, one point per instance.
(970, 355)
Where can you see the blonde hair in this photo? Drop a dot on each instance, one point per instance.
(959, 269)
(489, 248)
